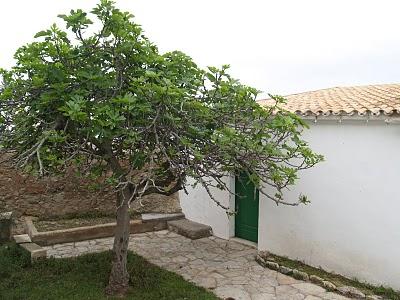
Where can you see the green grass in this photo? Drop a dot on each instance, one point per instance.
(77, 215)
(85, 277)
(338, 280)
(86, 215)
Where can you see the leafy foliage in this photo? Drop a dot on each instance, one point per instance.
(110, 101)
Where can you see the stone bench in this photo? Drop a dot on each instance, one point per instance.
(190, 229)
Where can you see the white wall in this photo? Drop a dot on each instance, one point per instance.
(199, 207)
(352, 225)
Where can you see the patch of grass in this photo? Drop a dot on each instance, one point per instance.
(338, 280)
(77, 215)
(86, 215)
(85, 277)
(73, 220)
(70, 223)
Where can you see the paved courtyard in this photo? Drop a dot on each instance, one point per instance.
(226, 267)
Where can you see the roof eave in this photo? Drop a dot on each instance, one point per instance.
(393, 118)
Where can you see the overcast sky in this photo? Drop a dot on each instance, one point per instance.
(279, 47)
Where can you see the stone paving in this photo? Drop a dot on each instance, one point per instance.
(226, 267)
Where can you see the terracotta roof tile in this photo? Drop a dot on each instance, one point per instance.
(355, 100)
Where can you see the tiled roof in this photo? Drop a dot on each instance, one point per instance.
(347, 101)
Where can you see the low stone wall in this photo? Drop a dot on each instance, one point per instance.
(148, 222)
(26, 195)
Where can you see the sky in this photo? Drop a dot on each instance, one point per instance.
(279, 47)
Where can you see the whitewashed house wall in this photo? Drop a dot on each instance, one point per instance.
(352, 226)
(199, 207)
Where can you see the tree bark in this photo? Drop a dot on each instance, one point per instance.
(118, 283)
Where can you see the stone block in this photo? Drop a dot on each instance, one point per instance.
(351, 292)
(22, 239)
(300, 275)
(328, 285)
(285, 270)
(190, 229)
(316, 279)
(35, 250)
(5, 226)
(272, 265)
(260, 260)
(161, 217)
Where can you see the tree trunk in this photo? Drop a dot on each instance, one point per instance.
(118, 283)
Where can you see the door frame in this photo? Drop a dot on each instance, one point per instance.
(232, 203)
(232, 206)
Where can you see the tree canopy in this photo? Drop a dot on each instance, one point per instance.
(100, 97)
(71, 99)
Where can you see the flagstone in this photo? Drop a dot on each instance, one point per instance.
(228, 268)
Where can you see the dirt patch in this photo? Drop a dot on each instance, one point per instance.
(76, 220)
(70, 223)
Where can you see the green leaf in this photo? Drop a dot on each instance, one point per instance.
(42, 33)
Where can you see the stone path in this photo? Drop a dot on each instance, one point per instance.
(226, 267)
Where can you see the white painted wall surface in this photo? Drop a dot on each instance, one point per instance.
(199, 207)
(352, 226)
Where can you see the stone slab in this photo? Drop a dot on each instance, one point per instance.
(161, 217)
(22, 239)
(35, 250)
(47, 238)
(190, 229)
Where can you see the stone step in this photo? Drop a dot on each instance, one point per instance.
(190, 229)
(147, 217)
(22, 239)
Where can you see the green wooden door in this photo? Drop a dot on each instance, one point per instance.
(246, 202)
